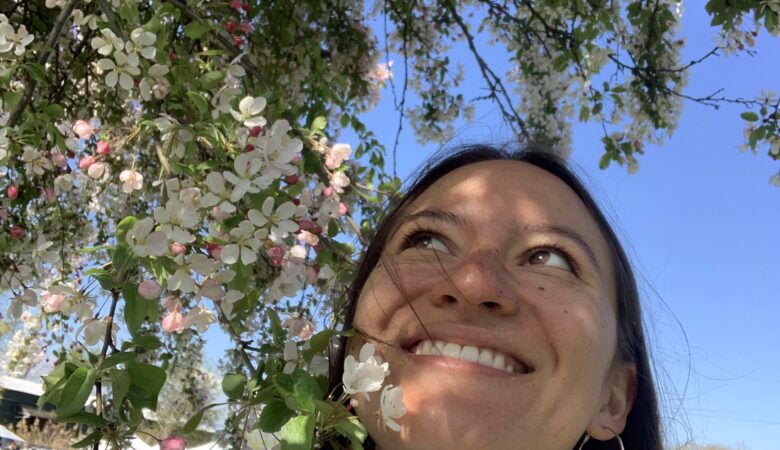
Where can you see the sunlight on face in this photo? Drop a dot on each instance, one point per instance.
(494, 301)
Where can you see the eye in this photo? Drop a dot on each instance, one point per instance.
(425, 239)
(551, 257)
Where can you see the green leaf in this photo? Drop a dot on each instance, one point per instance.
(604, 161)
(146, 381)
(284, 383)
(194, 30)
(319, 124)
(297, 433)
(199, 100)
(36, 72)
(194, 421)
(352, 428)
(76, 391)
(233, 385)
(750, 116)
(273, 416)
(122, 260)
(124, 226)
(317, 344)
(135, 308)
(305, 390)
(117, 358)
(211, 80)
(104, 277)
(54, 111)
(91, 439)
(120, 385)
(147, 342)
(88, 419)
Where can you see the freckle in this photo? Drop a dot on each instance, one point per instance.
(541, 288)
(566, 311)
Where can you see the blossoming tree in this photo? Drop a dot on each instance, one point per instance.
(167, 168)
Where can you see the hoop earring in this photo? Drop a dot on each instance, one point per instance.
(617, 436)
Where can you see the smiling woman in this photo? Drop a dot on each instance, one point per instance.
(506, 309)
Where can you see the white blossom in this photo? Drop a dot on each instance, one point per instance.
(248, 111)
(218, 194)
(141, 42)
(144, 242)
(246, 245)
(365, 374)
(392, 406)
(108, 43)
(9, 38)
(122, 69)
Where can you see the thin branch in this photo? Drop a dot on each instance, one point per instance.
(102, 356)
(43, 58)
(224, 41)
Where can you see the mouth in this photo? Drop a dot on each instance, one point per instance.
(469, 354)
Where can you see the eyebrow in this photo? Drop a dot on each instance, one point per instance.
(560, 230)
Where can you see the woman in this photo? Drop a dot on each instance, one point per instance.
(507, 311)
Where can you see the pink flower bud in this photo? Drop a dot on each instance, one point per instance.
(17, 232)
(12, 191)
(327, 192)
(235, 4)
(238, 41)
(178, 249)
(342, 208)
(59, 159)
(230, 26)
(86, 162)
(245, 26)
(83, 129)
(277, 251)
(297, 254)
(255, 131)
(172, 443)
(291, 179)
(103, 148)
(173, 322)
(150, 289)
(215, 250)
(49, 196)
(245, 7)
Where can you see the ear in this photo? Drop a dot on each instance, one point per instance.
(617, 399)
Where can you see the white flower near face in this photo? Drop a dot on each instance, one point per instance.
(200, 317)
(245, 166)
(246, 245)
(229, 301)
(365, 375)
(280, 220)
(248, 111)
(131, 181)
(8, 38)
(175, 219)
(123, 70)
(35, 162)
(392, 406)
(108, 43)
(144, 242)
(219, 195)
(142, 42)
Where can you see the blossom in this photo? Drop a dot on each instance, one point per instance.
(392, 406)
(231, 297)
(8, 38)
(108, 43)
(248, 111)
(281, 219)
(122, 69)
(246, 245)
(52, 303)
(103, 148)
(131, 180)
(83, 129)
(173, 322)
(175, 219)
(200, 317)
(218, 195)
(365, 375)
(174, 135)
(245, 166)
(95, 331)
(97, 170)
(155, 83)
(142, 42)
(339, 181)
(150, 289)
(35, 162)
(86, 161)
(12, 191)
(144, 242)
(337, 155)
(300, 327)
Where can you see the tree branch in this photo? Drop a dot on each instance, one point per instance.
(102, 356)
(43, 58)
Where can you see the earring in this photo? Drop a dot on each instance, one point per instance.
(617, 436)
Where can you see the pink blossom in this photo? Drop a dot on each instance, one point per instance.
(59, 159)
(342, 209)
(230, 26)
(339, 181)
(178, 249)
(103, 148)
(297, 254)
(172, 443)
(150, 289)
(327, 192)
(52, 303)
(298, 326)
(97, 170)
(86, 162)
(309, 225)
(170, 302)
(276, 253)
(307, 237)
(245, 26)
(173, 322)
(17, 232)
(83, 129)
(131, 181)
(12, 191)
(337, 155)
(215, 250)
(49, 196)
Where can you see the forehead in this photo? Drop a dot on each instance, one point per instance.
(511, 195)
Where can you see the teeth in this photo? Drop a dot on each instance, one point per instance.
(470, 353)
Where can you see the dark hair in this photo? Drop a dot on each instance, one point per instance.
(642, 430)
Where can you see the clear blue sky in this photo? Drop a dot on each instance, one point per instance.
(700, 220)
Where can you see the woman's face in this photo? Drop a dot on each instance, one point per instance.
(498, 260)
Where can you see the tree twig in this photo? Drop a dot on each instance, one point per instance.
(102, 356)
(43, 58)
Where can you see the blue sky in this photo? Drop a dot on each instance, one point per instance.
(700, 221)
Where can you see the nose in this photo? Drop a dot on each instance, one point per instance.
(481, 281)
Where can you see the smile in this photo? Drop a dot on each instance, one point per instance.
(469, 353)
